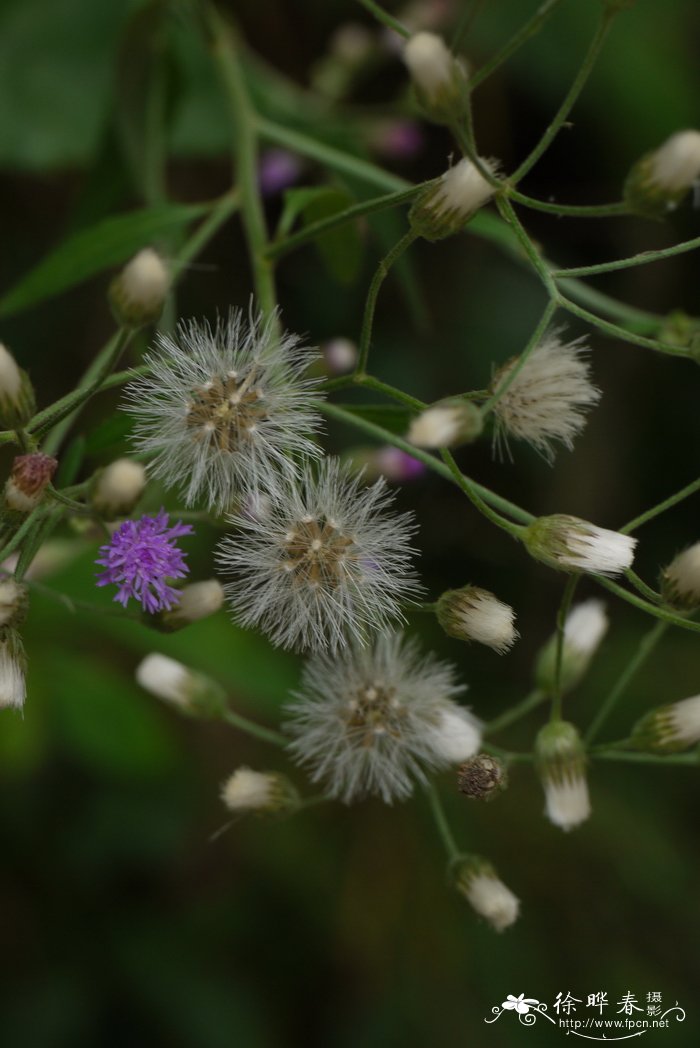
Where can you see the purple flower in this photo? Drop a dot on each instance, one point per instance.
(140, 557)
(278, 169)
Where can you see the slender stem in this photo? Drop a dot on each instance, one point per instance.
(639, 320)
(370, 382)
(622, 333)
(22, 531)
(532, 26)
(646, 758)
(244, 136)
(385, 18)
(385, 436)
(651, 609)
(564, 607)
(35, 540)
(655, 511)
(370, 305)
(443, 827)
(324, 225)
(641, 586)
(571, 96)
(469, 489)
(224, 209)
(642, 259)
(536, 260)
(251, 728)
(570, 210)
(514, 713)
(644, 650)
(535, 337)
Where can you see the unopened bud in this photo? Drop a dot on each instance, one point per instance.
(339, 355)
(440, 79)
(263, 792)
(571, 544)
(446, 424)
(447, 204)
(482, 777)
(14, 601)
(561, 765)
(471, 613)
(138, 293)
(584, 629)
(17, 404)
(680, 581)
(28, 480)
(457, 734)
(197, 601)
(192, 693)
(118, 487)
(670, 728)
(659, 180)
(478, 882)
(13, 666)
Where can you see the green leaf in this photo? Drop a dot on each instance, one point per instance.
(341, 248)
(106, 244)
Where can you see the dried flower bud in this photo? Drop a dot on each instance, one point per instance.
(670, 728)
(440, 79)
(482, 777)
(447, 204)
(584, 629)
(263, 792)
(17, 404)
(680, 581)
(118, 487)
(658, 182)
(14, 600)
(192, 693)
(561, 765)
(339, 355)
(197, 601)
(471, 613)
(571, 544)
(29, 477)
(138, 293)
(478, 882)
(13, 666)
(446, 424)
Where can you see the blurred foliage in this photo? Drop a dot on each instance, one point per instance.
(123, 922)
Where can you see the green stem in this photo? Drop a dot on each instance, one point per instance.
(35, 539)
(564, 608)
(370, 382)
(532, 344)
(528, 29)
(646, 758)
(655, 511)
(642, 259)
(641, 586)
(516, 712)
(244, 135)
(570, 99)
(470, 490)
(622, 333)
(251, 728)
(570, 210)
(22, 531)
(536, 260)
(385, 18)
(224, 209)
(443, 827)
(651, 609)
(644, 650)
(370, 305)
(639, 320)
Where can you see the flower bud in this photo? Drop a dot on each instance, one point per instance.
(440, 79)
(14, 601)
(197, 601)
(339, 355)
(192, 693)
(29, 478)
(584, 629)
(13, 665)
(669, 729)
(482, 777)
(446, 424)
(137, 295)
(478, 882)
(680, 581)
(571, 544)
(118, 487)
(456, 736)
(448, 203)
(658, 182)
(17, 404)
(561, 765)
(472, 613)
(263, 792)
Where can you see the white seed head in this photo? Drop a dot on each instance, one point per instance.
(371, 720)
(548, 398)
(248, 790)
(328, 562)
(197, 601)
(445, 207)
(13, 665)
(225, 411)
(670, 728)
(138, 293)
(572, 544)
(474, 614)
(10, 376)
(446, 425)
(676, 164)
(119, 487)
(680, 581)
(560, 760)
(488, 896)
(430, 63)
(567, 804)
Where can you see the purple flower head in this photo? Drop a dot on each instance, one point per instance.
(140, 557)
(278, 169)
